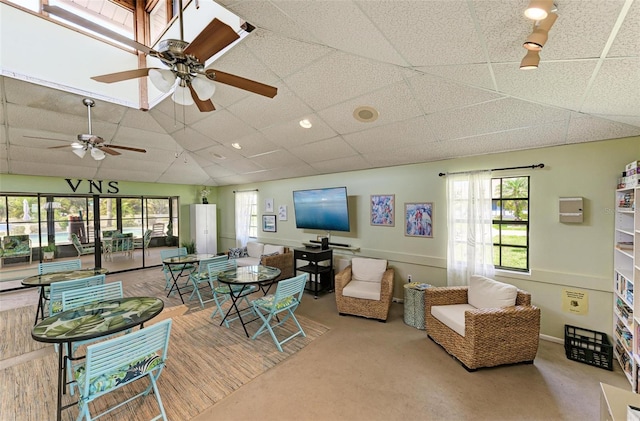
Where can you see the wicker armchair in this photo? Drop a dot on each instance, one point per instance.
(282, 261)
(493, 336)
(373, 309)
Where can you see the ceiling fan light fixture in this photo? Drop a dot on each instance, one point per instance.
(204, 87)
(97, 154)
(182, 95)
(162, 79)
(530, 61)
(80, 152)
(538, 9)
(77, 145)
(540, 34)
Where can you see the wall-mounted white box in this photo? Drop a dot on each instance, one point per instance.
(571, 209)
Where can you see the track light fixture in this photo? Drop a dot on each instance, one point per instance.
(538, 9)
(540, 33)
(530, 61)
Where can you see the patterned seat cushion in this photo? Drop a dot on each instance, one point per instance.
(123, 374)
(267, 302)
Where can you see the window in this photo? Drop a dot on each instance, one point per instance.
(510, 208)
(253, 226)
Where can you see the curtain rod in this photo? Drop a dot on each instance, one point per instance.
(242, 191)
(534, 166)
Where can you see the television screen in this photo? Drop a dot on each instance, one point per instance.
(322, 209)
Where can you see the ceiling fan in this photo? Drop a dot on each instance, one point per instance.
(92, 143)
(186, 75)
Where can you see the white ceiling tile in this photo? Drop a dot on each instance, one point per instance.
(559, 84)
(428, 32)
(627, 41)
(394, 103)
(349, 163)
(137, 138)
(217, 171)
(492, 117)
(275, 159)
(192, 140)
(616, 89)
(59, 156)
(323, 150)
(4, 166)
(223, 127)
(474, 75)
(127, 174)
(283, 56)
(142, 120)
(584, 128)
(240, 166)
(317, 84)
(632, 120)
(289, 133)
(184, 173)
(255, 144)
(409, 132)
(52, 169)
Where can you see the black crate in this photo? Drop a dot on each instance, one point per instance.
(588, 346)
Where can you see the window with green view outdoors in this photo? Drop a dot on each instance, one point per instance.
(510, 207)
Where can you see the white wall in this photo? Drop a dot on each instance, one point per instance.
(562, 256)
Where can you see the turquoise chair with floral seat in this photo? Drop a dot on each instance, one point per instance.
(81, 249)
(15, 246)
(166, 269)
(116, 362)
(286, 299)
(221, 292)
(202, 276)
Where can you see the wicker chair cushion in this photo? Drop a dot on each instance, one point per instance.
(368, 270)
(270, 249)
(362, 289)
(487, 293)
(452, 316)
(255, 249)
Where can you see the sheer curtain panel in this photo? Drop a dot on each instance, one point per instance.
(244, 201)
(470, 248)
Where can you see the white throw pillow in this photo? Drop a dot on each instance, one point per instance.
(368, 270)
(255, 249)
(271, 249)
(487, 293)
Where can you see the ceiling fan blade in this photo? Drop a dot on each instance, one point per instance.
(126, 148)
(203, 106)
(47, 138)
(92, 26)
(58, 147)
(109, 151)
(120, 76)
(242, 83)
(215, 37)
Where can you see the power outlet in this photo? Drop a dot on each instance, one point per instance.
(408, 279)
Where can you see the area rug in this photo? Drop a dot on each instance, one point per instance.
(206, 363)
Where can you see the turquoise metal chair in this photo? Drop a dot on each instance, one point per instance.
(286, 299)
(75, 298)
(57, 288)
(202, 275)
(59, 266)
(166, 269)
(221, 292)
(116, 362)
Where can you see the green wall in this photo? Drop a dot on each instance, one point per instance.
(562, 256)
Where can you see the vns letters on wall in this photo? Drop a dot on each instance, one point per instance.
(94, 186)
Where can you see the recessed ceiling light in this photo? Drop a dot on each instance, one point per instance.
(306, 124)
(365, 114)
(236, 145)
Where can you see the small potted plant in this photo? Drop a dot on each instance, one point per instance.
(190, 246)
(170, 239)
(48, 252)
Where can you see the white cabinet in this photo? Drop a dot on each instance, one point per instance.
(203, 228)
(626, 309)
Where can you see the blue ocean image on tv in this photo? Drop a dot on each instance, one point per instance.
(322, 209)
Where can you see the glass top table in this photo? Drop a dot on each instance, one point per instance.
(92, 321)
(240, 281)
(46, 279)
(177, 266)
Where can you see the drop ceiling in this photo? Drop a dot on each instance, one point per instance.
(443, 75)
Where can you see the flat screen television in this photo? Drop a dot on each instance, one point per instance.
(324, 209)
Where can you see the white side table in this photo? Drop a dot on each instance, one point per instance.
(414, 304)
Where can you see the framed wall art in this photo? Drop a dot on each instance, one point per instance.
(268, 205)
(269, 223)
(418, 220)
(282, 212)
(383, 210)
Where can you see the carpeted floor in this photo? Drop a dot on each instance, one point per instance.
(206, 363)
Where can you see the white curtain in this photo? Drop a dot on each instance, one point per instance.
(244, 201)
(470, 248)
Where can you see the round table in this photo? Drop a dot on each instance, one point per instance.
(414, 304)
(182, 262)
(93, 321)
(46, 279)
(241, 278)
